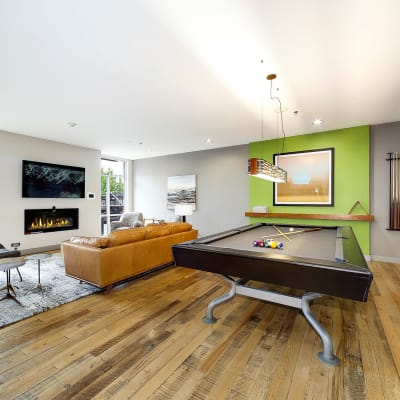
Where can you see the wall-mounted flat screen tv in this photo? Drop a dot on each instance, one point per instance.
(46, 180)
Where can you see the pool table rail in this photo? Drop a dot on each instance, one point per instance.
(350, 279)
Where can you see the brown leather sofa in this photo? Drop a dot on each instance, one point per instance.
(104, 261)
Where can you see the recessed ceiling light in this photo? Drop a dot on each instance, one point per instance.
(317, 121)
(209, 141)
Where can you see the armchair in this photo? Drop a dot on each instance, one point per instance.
(128, 220)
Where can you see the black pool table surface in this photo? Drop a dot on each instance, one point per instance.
(326, 260)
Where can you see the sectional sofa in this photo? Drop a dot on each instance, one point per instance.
(105, 261)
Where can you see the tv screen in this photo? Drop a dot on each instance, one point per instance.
(52, 180)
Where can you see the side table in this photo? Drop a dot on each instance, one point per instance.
(5, 253)
(38, 257)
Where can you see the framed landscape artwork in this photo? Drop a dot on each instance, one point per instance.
(181, 190)
(309, 178)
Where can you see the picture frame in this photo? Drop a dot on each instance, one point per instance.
(310, 178)
(181, 190)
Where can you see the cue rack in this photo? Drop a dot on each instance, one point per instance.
(394, 164)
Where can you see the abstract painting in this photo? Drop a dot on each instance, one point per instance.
(181, 190)
(309, 178)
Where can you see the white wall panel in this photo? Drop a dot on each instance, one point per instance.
(15, 148)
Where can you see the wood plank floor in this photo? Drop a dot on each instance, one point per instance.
(146, 340)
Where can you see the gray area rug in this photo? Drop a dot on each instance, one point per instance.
(57, 289)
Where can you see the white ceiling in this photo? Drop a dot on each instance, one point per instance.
(144, 78)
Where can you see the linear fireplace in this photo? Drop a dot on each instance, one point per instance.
(51, 220)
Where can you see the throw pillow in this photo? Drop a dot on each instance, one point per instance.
(153, 231)
(100, 242)
(177, 227)
(125, 236)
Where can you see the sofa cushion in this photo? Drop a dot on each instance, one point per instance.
(124, 236)
(177, 227)
(90, 241)
(154, 231)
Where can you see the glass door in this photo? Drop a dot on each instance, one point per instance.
(113, 191)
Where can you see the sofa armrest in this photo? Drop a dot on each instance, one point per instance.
(83, 262)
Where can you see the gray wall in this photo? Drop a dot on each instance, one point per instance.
(15, 148)
(385, 245)
(222, 187)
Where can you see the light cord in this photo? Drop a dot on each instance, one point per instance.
(280, 112)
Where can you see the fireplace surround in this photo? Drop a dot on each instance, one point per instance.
(51, 220)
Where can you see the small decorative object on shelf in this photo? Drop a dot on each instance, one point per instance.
(394, 165)
(260, 209)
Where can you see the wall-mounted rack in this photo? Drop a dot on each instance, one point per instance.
(394, 206)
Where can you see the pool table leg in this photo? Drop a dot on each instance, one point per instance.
(327, 355)
(209, 318)
(302, 303)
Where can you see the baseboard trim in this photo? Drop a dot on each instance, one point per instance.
(394, 260)
(40, 249)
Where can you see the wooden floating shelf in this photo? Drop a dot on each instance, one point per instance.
(336, 217)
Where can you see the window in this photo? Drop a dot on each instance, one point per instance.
(113, 191)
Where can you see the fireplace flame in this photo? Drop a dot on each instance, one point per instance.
(49, 222)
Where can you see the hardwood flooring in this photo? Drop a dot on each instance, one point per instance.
(146, 340)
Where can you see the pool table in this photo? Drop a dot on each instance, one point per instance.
(317, 260)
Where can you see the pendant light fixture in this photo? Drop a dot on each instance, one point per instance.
(259, 167)
(263, 169)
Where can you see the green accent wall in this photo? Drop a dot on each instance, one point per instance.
(351, 178)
